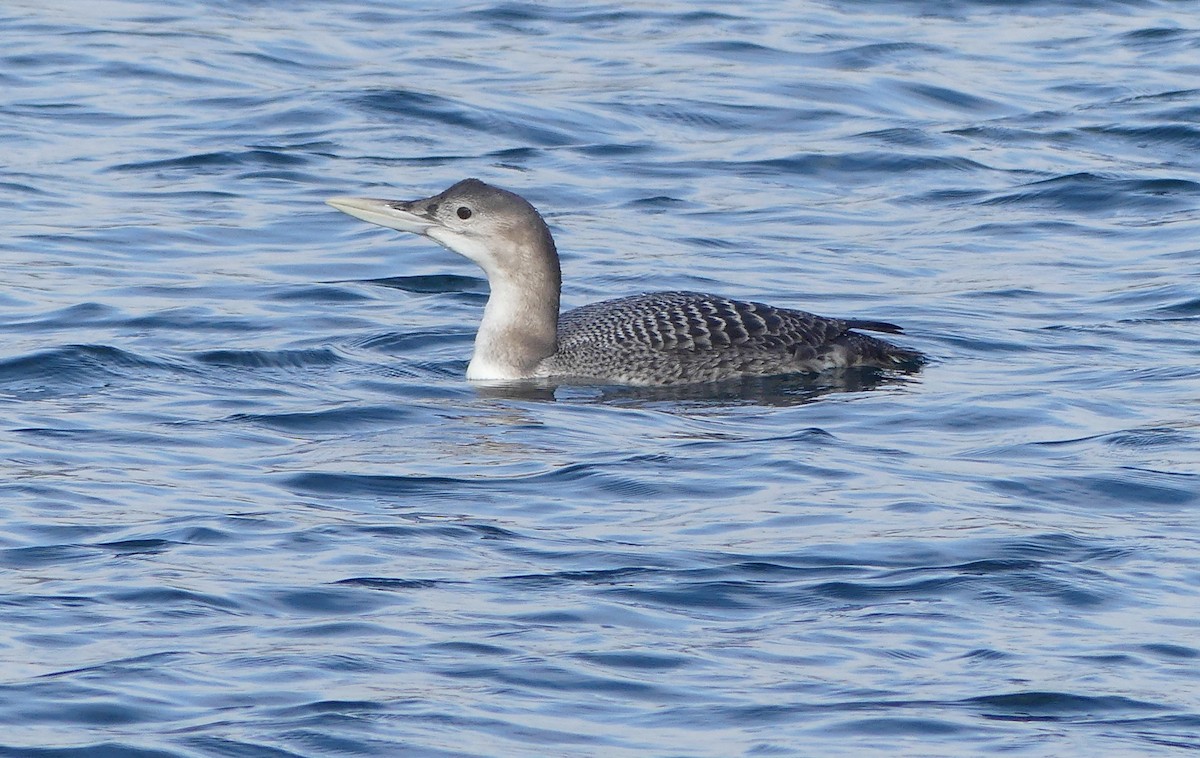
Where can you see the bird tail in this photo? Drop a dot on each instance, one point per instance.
(881, 353)
(874, 326)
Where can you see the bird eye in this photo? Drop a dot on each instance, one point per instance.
(464, 212)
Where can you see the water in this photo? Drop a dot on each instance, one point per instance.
(251, 507)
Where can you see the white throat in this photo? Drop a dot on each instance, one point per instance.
(520, 321)
(518, 331)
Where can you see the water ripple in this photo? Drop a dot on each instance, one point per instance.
(253, 508)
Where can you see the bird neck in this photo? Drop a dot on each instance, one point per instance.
(520, 325)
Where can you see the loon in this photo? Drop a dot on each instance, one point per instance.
(654, 339)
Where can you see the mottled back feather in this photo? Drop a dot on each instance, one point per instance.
(679, 337)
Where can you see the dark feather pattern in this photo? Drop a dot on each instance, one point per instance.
(684, 337)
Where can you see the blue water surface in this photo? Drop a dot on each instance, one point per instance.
(251, 507)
